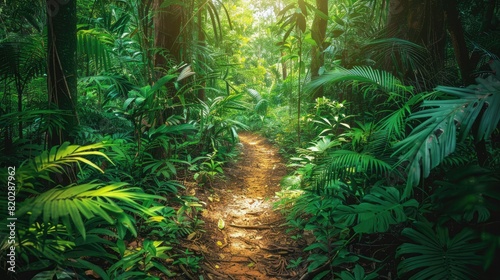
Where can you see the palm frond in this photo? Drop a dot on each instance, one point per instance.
(22, 58)
(73, 204)
(95, 45)
(364, 74)
(261, 103)
(436, 255)
(114, 85)
(380, 209)
(436, 137)
(404, 54)
(59, 157)
(344, 163)
(47, 120)
(394, 122)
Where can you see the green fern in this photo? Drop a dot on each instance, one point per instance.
(436, 256)
(380, 209)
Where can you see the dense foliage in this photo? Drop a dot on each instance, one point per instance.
(387, 112)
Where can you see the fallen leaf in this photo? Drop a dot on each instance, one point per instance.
(191, 235)
(92, 273)
(221, 224)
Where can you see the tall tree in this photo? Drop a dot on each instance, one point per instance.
(454, 26)
(420, 22)
(167, 20)
(61, 72)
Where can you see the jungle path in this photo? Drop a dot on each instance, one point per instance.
(252, 243)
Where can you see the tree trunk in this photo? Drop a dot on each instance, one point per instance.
(167, 22)
(202, 42)
(456, 31)
(61, 72)
(145, 37)
(318, 33)
(420, 22)
(284, 71)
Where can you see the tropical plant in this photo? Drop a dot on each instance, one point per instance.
(436, 255)
(447, 121)
(367, 75)
(378, 211)
(56, 223)
(359, 273)
(215, 128)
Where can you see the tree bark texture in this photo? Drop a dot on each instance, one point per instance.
(167, 20)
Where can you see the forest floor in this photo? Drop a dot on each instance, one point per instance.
(244, 237)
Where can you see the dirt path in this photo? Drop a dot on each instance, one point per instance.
(252, 244)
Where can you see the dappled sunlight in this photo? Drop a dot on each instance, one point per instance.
(245, 238)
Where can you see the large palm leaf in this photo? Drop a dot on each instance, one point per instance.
(380, 209)
(73, 204)
(95, 46)
(435, 255)
(344, 163)
(403, 55)
(261, 103)
(56, 160)
(445, 120)
(22, 59)
(66, 154)
(364, 74)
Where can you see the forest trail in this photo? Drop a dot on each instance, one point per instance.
(253, 243)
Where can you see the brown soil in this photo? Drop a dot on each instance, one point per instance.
(253, 243)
